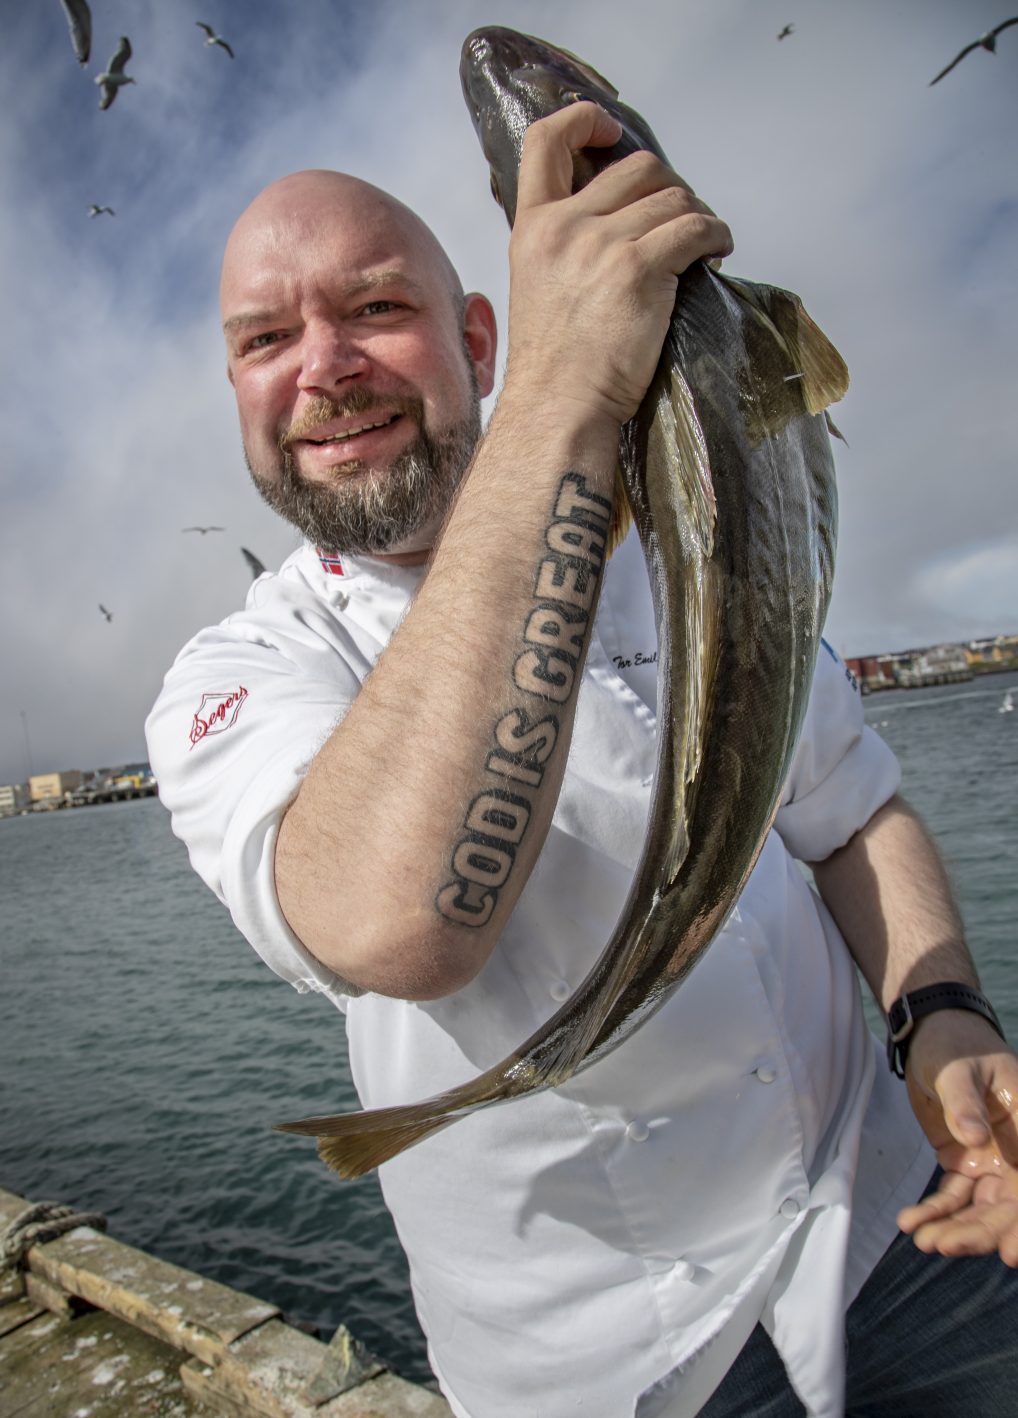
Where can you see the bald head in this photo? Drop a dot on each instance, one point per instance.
(294, 218)
(357, 362)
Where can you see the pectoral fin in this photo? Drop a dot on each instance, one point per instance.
(683, 508)
(810, 360)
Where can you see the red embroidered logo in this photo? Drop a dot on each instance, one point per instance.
(216, 713)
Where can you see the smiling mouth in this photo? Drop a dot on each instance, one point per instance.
(353, 432)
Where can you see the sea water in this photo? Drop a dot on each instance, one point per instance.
(145, 1051)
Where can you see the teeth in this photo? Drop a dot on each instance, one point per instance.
(350, 432)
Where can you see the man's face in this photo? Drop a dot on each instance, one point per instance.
(356, 385)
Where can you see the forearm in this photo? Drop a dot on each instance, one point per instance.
(889, 894)
(458, 740)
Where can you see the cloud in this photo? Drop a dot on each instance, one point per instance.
(890, 207)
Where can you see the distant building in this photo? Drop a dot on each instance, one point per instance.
(12, 795)
(908, 669)
(998, 651)
(51, 787)
(940, 664)
(873, 672)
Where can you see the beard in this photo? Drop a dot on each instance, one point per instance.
(372, 510)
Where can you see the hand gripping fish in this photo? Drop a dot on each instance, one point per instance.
(727, 470)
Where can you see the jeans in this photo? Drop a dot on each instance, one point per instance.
(926, 1337)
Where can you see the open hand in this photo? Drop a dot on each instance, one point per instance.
(963, 1086)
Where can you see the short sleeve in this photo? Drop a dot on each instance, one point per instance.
(240, 717)
(842, 771)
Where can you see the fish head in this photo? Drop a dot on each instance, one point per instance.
(510, 80)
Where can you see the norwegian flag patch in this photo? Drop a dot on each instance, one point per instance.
(216, 713)
(331, 562)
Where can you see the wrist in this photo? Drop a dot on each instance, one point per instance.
(540, 417)
(913, 1006)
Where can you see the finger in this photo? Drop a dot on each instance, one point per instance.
(546, 167)
(674, 245)
(977, 1231)
(954, 1193)
(633, 177)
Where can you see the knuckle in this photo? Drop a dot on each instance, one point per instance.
(644, 164)
(699, 226)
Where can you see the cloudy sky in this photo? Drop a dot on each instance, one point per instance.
(889, 206)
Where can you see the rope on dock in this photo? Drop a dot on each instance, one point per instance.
(43, 1221)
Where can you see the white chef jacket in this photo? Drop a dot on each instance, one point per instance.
(606, 1246)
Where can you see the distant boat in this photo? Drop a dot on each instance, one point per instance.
(1008, 704)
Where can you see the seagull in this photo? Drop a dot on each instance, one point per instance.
(106, 613)
(789, 29)
(95, 211)
(203, 530)
(212, 38)
(986, 41)
(79, 20)
(257, 569)
(115, 78)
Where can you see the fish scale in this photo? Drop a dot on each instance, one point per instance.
(729, 477)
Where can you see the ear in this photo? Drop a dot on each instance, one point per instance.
(481, 339)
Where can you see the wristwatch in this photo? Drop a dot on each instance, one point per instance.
(905, 1012)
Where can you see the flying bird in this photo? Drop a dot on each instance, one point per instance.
(986, 41)
(789, 29)
(114, 77)
(212, 38)
(79, 22)
(106, 613)
(203, 530)
(95, 211)
(257, 567)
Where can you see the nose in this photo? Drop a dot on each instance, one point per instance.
(329, 357)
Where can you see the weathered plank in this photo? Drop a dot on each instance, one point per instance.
(199, 1316)
(17, 1313)
(52, 1298)
(245, 1360)
(268, 1372)
(54, 1368)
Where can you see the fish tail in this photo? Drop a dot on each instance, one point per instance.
(355, 1143)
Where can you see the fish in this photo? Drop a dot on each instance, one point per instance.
(728, 473)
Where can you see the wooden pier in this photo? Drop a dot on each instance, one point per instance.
(92, 1328)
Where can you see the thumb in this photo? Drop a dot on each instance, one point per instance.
(961, 1091)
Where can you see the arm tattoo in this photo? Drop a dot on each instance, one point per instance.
(545, 674)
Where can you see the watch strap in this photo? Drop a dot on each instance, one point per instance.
(905, 1013)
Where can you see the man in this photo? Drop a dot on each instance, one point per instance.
(731, 1174)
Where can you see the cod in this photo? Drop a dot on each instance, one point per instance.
(727, 471)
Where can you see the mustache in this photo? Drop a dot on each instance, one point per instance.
(321, 409)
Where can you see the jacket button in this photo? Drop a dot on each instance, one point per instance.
(790, 1208)
(682, 1270)
(765, 1073)
(637, 1132)
(559, 990)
